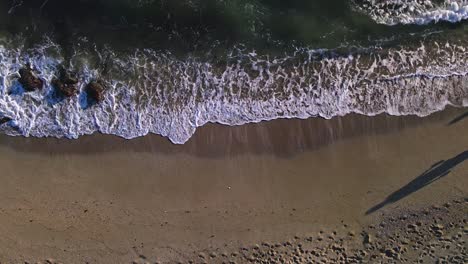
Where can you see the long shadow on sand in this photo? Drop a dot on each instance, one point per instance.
(458, 118)
(434, 173)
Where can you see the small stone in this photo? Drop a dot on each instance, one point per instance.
(266, 244)
(404, 241)
(4, 120)
(367, 238)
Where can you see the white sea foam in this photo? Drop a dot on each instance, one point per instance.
(420, 12)
(154, 92)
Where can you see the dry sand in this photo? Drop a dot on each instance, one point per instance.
(286, 191)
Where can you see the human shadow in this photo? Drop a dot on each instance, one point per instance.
(458, 118)
(434, 173)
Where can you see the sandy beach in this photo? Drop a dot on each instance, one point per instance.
(285, 191)
(233, 131)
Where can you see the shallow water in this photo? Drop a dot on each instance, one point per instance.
(170, 68)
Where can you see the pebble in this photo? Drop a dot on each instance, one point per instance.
(387, 243)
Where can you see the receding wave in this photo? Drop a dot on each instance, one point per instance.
(392, 12)
(148, 91)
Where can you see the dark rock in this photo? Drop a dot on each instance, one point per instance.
(66, 84)
(29, 80)
(65, 89)
(95, 91)
(4, 120)
(390, 253)
(367, 238)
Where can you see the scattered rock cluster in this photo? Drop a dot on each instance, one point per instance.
(66, 84)
(434, 235)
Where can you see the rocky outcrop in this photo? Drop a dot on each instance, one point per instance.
(4, 120)
(29, 80)
(95, 91)
(66, 84)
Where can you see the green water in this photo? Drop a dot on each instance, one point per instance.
(197, 26)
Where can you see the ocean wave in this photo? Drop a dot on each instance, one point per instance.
(150, 91)
(420, 12)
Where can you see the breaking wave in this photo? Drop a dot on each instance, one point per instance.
(420, 12)
(149, 91)
(158, 90)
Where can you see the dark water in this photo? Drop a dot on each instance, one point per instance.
(188, 26)
(171, 66)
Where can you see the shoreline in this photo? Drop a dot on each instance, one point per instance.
(172, 101)
(254, 138)
(103, 199)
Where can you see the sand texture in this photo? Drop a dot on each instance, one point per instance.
(347, 190)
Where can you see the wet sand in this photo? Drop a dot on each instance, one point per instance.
(102, 199)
